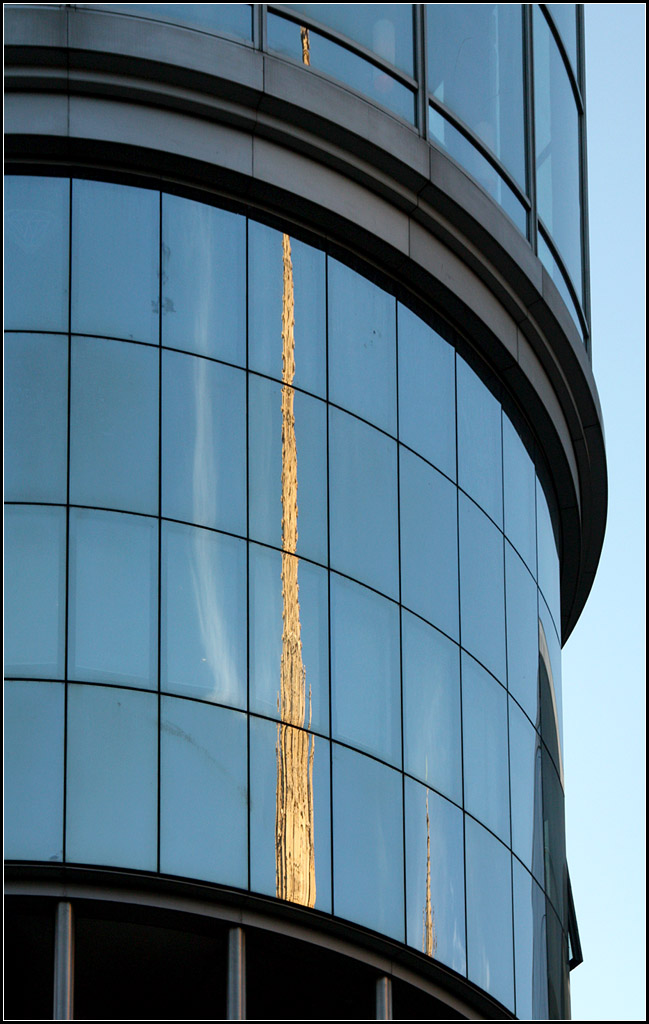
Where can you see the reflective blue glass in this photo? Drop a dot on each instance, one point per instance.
(565, 18)
(548, 557)
(485, 746)
(34, 591)
(549, 262)
(33, 809)
(113, 620)
(37, 244)
(522, 634)
(550, 697)
(231, 19)
(479, 444)
(115, 261)
(368, 843)
(519, 490)
(530, 947)
(36, 417)
(114, 425)
(203, 279)
(435, 876)
(203, 442)
(385, 29)
(203, 615)
(482, 590)
(203, 792)
(111, 777)
(526, 791)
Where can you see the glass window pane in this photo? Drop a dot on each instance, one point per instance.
(549, 578)
(368, 843)
(203, 442)
(113, 632)
(386, 29)
(204, 279)
(526, 793)
(519, 493)
(556, 273)
(431, 707)
(550, 689)
(33, 810)
(479, 442)
(363, 503)
(362, 347)
(37, 240)
(203, 792)
(289, 775)
(482, 590)
(530, 948)
(426, 392)
(486, 753)
(36, 417)
(34, 591)
(489, 913)
(112, 777)
(435, 882)
(288, 469)
(114, 425)
(273, 622)
(203, 624)
(115, 261)
(365, 683)
(554, 832)
(428, 530)
(522, 634)
(565, 18)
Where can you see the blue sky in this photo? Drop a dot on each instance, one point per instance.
(603, 662)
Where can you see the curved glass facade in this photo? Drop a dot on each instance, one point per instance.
(282, 585)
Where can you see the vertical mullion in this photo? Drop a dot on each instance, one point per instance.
(421, 67)
(530, 134)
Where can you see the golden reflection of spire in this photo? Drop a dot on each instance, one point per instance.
(306, 45)
(429, 942)
(294, 842)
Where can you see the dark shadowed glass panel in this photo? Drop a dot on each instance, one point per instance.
(431, 707)
(426, 392)
(114, 425)
(268, 741)
(489, 913)
(486, 754)
(267, 635)
(435, 876)
(232, 19)
(558, 977)
(115, 260)
(204, 279)
(482, 591)
(362, 347)
(530, 947)
(113, 624)
(428, 531)
(550, 696)
(29, 958)
(554, 831)
(33, 809)
(526, 791)
(112, 777)
(363, 502)
(479, 442)
(522, 634)
(203, 792)
(365, 683)
(37, 224)
(368, 843)
(385, 29)
(203, 624)
(519, 490)
(267, 289)
(549, 576)
(272, 494)
(36, 416)
(203, 442)
(34, 591)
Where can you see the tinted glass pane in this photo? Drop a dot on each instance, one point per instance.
(386, 29)
(565, 18)
(203, 792)
(114, 425)
(362, 347)
(530, 948)
(33, 810)
(482, 592)
(365, 683)
(557, 275)
(431, 707)
(203, 594)
(368, 843)
(479, 442)
(233, 19)
(113, 629)
(363, 502)
(112, 769)
(204, 276)
(551, 694)
(203, 442)
(554, 830)
(34, 591)
(548, 557)
(288, 468)
(289, 775)
(435, 882)
(36, 415)
(558, 978)
(426, 392)
(115, 260)
(37, 222)
(519, 493)
(526, 795)
(522, 634)
(486, 770)
(428, 530)
(274, 617)
(489, 913)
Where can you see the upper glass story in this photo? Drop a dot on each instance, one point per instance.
(498, 87)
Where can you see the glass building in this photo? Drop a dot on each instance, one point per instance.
(305, 488)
